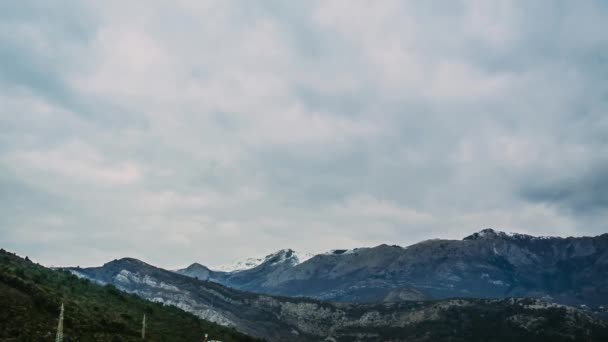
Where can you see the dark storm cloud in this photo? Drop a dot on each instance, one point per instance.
(584, 193)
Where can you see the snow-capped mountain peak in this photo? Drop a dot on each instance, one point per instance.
(287, 255)
(281, 256)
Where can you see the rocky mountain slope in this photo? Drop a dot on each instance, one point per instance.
(31, 296)
(487, 264)
(301, 319)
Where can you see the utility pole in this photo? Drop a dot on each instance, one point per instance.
(59, 336)
(143, 328)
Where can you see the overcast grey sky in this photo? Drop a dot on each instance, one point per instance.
(196, 130)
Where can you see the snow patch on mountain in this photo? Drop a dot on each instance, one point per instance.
(240, 265)
(281, 256)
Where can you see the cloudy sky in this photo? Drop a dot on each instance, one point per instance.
(181, 131)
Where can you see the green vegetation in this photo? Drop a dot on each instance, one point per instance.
(31, 298)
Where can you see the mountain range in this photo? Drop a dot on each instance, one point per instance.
(489, 286)
(486, 285)
(486, 264)
(278, 318)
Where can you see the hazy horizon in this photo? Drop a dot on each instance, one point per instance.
(212, 131)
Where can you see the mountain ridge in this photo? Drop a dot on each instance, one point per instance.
(486, 264)
(277, 318)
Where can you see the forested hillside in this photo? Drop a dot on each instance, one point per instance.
(31, 296)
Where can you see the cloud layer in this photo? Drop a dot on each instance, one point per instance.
(211, 130)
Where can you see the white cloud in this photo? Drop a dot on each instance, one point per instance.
(370, 208)
(75, 162)
(222, 129)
